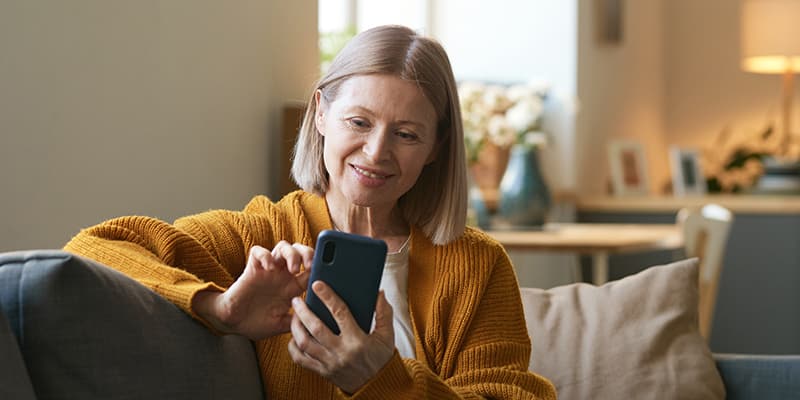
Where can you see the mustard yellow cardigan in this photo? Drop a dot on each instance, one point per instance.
(471, 340)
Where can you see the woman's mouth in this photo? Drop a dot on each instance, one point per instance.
(369, 174)
(370, 179)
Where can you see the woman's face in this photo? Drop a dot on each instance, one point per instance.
(380, 131)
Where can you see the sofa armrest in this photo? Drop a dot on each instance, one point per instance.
(14, 380)
(94, 333)
(762, 377)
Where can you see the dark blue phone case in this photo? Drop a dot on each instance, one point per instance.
(353, 270)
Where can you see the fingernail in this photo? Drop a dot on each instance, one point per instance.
(296, 301)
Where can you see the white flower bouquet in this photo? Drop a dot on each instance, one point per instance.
(502, 115)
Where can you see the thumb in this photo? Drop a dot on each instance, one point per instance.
(384, 319)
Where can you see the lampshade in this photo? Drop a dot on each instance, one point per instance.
(771, 36)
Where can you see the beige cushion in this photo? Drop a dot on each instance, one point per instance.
(635, 338)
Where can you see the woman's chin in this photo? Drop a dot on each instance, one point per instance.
(368, 198)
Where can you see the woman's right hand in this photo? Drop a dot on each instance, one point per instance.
(257, 305)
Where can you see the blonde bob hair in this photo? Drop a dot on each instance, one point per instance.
(437, 203)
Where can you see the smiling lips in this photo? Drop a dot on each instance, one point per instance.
(369, 178)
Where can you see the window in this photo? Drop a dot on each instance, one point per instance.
(340, 20)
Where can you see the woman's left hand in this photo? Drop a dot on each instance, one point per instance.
(350, 359)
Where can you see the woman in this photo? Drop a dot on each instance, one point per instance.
(380, 153)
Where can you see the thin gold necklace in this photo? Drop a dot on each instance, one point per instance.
(400, 250)
(403, 246)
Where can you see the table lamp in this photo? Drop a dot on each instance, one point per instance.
(771, 45)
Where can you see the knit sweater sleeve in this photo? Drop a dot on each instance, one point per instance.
(206, 251)
(482, 356)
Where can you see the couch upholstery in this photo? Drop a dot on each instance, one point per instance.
(85, 331)
(71, 328)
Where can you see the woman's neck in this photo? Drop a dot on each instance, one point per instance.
(387, 225)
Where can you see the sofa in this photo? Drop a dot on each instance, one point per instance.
(71, 328)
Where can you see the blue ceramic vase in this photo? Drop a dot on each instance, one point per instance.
(524, 195)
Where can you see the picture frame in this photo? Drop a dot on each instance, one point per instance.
(687, 172)
(628, 168)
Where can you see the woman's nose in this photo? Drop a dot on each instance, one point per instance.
(376, 145)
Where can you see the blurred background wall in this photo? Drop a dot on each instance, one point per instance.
(161, 108)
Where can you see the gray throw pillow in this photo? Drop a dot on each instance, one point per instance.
(86, 331)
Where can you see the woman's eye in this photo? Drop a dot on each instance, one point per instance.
(406, 135)
(358, 123)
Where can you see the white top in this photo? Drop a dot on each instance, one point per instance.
(394, 284)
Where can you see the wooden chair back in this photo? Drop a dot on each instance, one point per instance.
(705, 232)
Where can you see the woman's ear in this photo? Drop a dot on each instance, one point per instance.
(319, 115)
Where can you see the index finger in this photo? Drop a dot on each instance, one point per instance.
(306, 253)
(292, 255)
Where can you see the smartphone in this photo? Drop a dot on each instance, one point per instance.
(352, 265)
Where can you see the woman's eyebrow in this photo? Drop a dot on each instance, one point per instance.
(415, 123)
